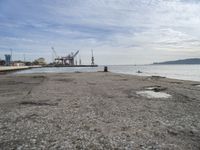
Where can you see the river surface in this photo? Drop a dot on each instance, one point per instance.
(184, 72)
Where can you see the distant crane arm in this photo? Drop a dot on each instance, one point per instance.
(54, 52)
(75, 54)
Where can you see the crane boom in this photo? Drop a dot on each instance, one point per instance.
(75, 54)
(54, 52)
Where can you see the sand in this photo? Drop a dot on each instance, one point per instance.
(97, 111)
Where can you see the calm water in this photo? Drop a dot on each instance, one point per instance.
(185, 72)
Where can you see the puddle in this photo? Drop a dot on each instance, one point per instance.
(38, 103)
(153, 94)
(176, 82)
(156, 88)
(150, 88)
(196, 85)
(157, 77)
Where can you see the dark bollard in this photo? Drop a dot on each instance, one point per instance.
(105, 69)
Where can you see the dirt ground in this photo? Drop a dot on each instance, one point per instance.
(97, 111)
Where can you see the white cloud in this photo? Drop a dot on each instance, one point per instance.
(164, 28)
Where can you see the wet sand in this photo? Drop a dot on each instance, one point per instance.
(98, 111)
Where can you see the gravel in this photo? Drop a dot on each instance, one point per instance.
(97, 111)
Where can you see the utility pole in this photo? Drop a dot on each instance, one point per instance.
(11, 54)
(24, 58)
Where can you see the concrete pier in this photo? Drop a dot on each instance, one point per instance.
(15, 68)
(12, 68)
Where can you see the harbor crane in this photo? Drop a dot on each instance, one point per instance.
(54, 55)
(67, 60)
(70, 60)
(92, 63)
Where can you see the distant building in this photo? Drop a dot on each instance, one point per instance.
(18, 64)
(28, 63)
(39, 61)
(2, 62)
(8, 59)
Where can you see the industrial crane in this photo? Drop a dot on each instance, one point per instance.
(92, 60)
(68, 60)
(75, 54)
(55, 56)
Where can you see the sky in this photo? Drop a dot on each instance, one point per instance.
(118, 31)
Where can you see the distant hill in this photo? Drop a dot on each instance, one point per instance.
(183, 61)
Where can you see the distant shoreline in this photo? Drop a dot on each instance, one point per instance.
(191, 61)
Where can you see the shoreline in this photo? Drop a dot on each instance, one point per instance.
(98, 110)
(137, 75)
(172, 73)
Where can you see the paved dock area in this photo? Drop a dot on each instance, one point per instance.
(7, 69)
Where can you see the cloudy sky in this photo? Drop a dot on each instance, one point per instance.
(119, 31)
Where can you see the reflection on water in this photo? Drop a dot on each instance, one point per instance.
(185, 72)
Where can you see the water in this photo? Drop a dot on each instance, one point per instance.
(184, 72)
